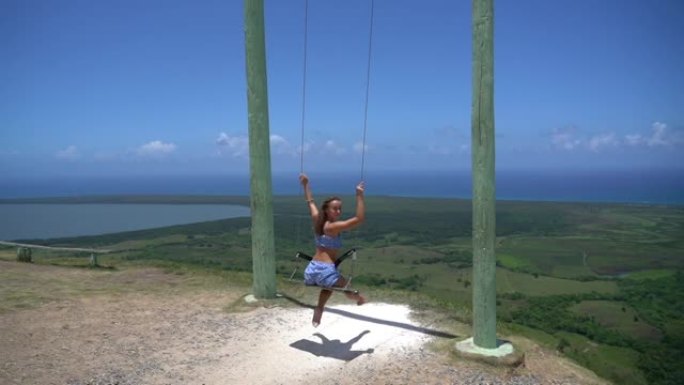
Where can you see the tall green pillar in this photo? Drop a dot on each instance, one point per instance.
(484, 189)
(263, 244)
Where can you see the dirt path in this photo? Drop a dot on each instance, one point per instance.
(171, 336)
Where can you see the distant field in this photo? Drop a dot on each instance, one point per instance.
(574, 257)
(650, 274)
(509, 282)
(618, 364)
(619, 316)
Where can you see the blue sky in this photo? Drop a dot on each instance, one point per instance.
(159, 87)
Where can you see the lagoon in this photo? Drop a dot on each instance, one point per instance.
(42, 221)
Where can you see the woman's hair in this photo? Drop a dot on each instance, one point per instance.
(323, 215)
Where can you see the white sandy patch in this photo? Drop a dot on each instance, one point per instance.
(289, 350)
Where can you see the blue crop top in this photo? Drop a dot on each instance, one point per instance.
(328, 242)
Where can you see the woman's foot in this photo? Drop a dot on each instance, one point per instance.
(318, 313)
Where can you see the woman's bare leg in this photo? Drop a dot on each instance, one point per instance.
(323, 297)
(360, 300)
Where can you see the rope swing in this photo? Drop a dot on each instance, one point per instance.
(302, 257)
(306, 35)
(368, 70)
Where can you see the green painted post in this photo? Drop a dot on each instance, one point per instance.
(263, 244)
(484, 189)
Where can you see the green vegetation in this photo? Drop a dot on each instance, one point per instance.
(618, 316)
(601, 283)
(616, 363)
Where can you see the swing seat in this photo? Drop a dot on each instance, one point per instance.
(339, 260)
(333, 288)
(347, 254)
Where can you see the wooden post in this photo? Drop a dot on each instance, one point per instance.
(93, 260)
(263, 244)
(484, 189)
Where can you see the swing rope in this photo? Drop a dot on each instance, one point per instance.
(304, 76)
(352, 252)
(368, 69)
(306, 35)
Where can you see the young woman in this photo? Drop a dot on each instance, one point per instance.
(328, 226)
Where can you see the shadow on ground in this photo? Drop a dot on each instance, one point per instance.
(406, 326)
(332, 348)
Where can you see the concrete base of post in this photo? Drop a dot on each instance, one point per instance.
(503, 354)
(251, 299)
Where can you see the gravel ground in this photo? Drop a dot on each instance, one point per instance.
(159, 339)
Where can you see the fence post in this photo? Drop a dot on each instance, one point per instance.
(24, 254)
(93, 260)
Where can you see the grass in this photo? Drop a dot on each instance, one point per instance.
(544, 339)
(59, 279)
(619, 316)
(615, 363)
(513, 262)
(651, 274)
(510, 282)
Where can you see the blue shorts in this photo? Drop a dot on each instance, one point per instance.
(322, 274)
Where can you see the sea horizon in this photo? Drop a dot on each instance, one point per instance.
(628, 186)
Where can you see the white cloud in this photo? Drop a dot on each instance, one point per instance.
(235, 146)
(277, 140)
(307, 147)
(332, 147)
(281, 146)
(69, 153)
(359, 147)
(660, 136)
(156, 148)
(604, 140)
(239, 146)
(328, 147)
(634, 140)
(565, 138)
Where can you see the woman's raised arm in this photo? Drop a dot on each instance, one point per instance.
(304, 180)
(348, 224)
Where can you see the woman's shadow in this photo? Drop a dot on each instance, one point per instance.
(332, 348)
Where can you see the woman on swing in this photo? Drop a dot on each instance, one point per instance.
(321, 271)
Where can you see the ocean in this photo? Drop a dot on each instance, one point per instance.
(638, 186)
